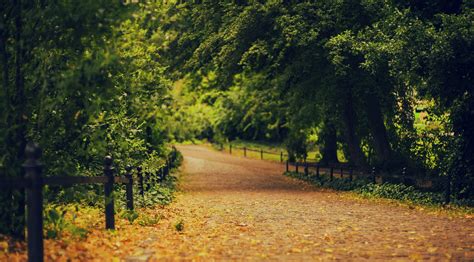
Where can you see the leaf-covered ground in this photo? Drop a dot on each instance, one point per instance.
(236, 208)
(233, 208)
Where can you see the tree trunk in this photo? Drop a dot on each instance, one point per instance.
(383, 151)
(356, 156)
(329, 147)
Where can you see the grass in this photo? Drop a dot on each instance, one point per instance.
(274, 148)
(266, 146)
(272, 151)
(191, 142)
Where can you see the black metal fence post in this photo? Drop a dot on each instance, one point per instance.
(261, 154)
(331, 173)
(404, 174)
(140, 181)
(317, 170)
(34, 200)
(287, 166)
(230, 149)
(167, 168)
(109, 198)
(281, 157)
(351, 171)
(447, 196)
(33, 182)
(296, 167)
(245, 151)
(342, 172)
(374, 180)
(129, 187)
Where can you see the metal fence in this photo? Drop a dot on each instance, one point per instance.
(34, 181)
(345, 170)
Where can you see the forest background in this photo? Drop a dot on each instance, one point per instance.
(386, 83)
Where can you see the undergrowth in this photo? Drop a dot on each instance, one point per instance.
(63, 218)
(368, 189)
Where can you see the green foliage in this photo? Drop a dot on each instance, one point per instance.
(401, 192)
(179, 226)
(241, 111)
(90, 82)
(148, 220)
(130, 215)
(158, 195)
(97, 77)
(56, 223)
(366, 188)
(364, 66)
(296, 145)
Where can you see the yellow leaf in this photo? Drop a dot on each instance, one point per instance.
(296, 250)
(4, 246)
(416, 257)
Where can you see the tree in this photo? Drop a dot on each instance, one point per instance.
(84, 80)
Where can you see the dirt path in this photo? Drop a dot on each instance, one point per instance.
(238, 209)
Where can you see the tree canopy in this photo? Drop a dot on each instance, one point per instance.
(387, 82)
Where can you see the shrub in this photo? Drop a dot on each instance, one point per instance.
(386, 190)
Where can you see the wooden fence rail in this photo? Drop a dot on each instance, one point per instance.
(34, 181)
(261, 151)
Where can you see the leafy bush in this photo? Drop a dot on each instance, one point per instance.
(85, 93)
(130, 215)
(148, 219)
(368, 189)
(56, 222)
(401, 192)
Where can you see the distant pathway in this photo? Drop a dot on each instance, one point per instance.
(242, 209)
